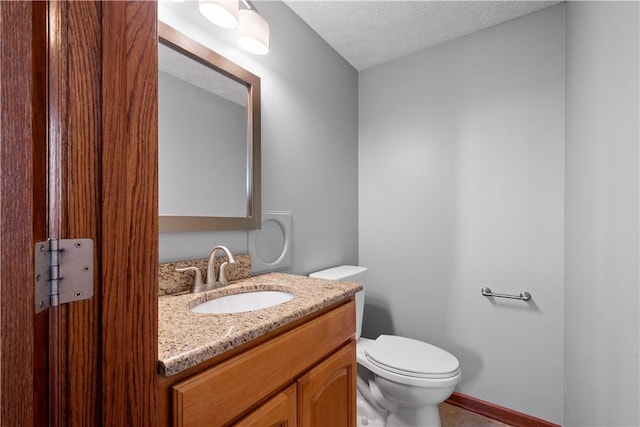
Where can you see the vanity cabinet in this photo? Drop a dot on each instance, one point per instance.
(304, 376)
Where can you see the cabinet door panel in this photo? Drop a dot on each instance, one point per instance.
(279, 411)
(327, 393)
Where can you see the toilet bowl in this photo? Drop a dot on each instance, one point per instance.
(400, 380)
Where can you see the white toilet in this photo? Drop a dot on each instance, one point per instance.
(401, 381)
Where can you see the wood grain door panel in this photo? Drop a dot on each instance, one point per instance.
(327, 393)
(78, 135)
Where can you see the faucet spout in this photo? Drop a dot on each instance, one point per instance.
(221, 280)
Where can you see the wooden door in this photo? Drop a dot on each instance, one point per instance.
(327, 393)
(79, 95)
(23, 212)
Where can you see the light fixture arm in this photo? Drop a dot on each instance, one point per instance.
(249, 5)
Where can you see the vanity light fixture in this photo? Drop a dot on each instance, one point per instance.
(252, 29)
(223, 13)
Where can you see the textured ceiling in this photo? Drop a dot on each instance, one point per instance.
(369, 33)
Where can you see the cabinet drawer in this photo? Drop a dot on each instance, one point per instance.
(224, 392)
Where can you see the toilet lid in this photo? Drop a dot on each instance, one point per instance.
(411, 357)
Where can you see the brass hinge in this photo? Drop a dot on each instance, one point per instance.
(63, 272)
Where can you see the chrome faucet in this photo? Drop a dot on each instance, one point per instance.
(212, 282)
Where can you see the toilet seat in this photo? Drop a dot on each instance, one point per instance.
(384, 372)
(412, 358)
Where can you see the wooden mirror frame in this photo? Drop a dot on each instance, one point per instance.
(172, 38)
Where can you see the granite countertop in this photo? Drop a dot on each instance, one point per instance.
(186, 339)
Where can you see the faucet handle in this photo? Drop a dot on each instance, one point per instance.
(197, 283)
(222, 276)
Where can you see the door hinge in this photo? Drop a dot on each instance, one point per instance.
(63, 272)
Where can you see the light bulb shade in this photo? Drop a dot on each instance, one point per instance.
(253, 32)
(221, 12)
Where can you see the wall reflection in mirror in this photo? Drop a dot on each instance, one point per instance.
(208, 139)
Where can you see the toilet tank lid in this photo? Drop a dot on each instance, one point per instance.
(345, 273)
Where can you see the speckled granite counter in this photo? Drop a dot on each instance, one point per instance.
(186, 339)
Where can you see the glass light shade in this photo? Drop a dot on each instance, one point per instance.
(253, 32)
(221, 12)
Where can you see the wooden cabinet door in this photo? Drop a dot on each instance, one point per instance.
(327, 393)
(279, 411)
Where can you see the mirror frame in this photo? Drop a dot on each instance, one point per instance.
(172, 38)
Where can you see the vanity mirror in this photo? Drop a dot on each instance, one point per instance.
(209, 138)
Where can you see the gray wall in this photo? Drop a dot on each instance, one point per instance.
(461, 174)
(602, 213)
(309, 138)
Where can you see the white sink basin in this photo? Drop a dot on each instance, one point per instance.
(246, 301)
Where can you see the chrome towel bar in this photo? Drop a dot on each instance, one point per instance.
(524, 295)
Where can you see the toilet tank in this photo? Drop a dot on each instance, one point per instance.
(348, 273)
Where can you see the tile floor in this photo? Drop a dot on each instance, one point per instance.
(453, 416)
